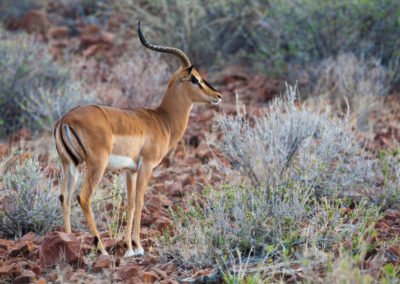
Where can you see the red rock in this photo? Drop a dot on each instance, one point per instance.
(395, 250)
(59, 32)
(148, 219)
(150, 277)
(58, 247)
(52, 276)
(160, 273)
(28, 237)
(162, 224)
(26, 277)
(203, 152)
(41, 281)
(103, 262)
(35, 21)
(188, 180)
(153, 204)
(165, 201)
(149, 260)
(10, 270)
(175, 189)
(169, 268)
(35, 268)
(113, 245)
(128, 271)
(4, 149)
(22, 248)
(5, 244)
(134, 280)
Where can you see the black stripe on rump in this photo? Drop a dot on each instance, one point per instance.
(79, 140)
(74, 159)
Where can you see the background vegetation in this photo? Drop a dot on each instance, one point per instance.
(300, 195)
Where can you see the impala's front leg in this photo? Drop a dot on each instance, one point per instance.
(131, 189)
(141, 185)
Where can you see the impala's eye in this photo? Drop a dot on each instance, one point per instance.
(194, 80)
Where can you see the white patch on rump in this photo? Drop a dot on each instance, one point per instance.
(117, 162)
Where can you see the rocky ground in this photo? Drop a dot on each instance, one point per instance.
(62, 258)
(71, 258)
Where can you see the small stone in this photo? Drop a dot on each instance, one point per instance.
(41, 281)
(128, 271)
(203, 152)
(28, 237)
(52, 276)
(22, 248)
(162, 224)
(103, 262)
(188, 180)
(150, 277)
(175, 189)
(27, 276)
(58, 247)
(160, 273)
(8, 270)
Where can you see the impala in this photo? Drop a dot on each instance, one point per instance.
(132, 140)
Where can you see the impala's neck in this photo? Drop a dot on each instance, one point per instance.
(175, 110)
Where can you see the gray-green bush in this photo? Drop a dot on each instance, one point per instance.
(301, 32)
(297, 170)
(213, 33)
(34, 90)
(280, 37)
(30, 203)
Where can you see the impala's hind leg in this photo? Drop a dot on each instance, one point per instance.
(67, 188)
(93, 177)
(131, 190)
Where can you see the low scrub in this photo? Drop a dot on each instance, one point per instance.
(303, 32)
(280, 37)
(292, 207)
(34, 90)
(29, 203)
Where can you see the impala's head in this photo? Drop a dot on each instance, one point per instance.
(187, 78)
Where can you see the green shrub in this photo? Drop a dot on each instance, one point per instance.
(298, 169)
(301, 32)
(34, 90)
(30, 204)
(213, 33)
(282, 38)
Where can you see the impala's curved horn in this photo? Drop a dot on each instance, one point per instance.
(166, 49)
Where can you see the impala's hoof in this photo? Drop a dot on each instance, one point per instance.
(135, 252)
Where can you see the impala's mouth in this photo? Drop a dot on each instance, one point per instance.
(214, 102)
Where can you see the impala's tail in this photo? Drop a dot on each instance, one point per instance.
(68, 143)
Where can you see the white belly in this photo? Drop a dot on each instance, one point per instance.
(116, 162)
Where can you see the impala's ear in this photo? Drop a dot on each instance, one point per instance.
(189, 69)
(187, 73)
